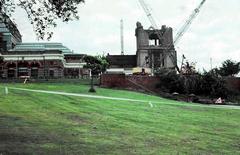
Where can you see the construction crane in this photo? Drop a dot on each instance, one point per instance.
(181, 31)
(154, 25)
(184, 29)
(122, 37)
(188, 22)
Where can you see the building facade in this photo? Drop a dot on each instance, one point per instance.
(36, 60)
(9, 33)
(152, 51)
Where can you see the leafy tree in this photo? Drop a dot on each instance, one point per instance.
(104, 62)
(94, 64)
(207, 84)
(212, 84)
(42, 13)
(229, 68)
(97, 65)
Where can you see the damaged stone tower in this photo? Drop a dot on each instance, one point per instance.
(153, 52)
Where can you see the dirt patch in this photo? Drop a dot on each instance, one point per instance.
(77, 119)
(18, 137)
(4, 118)
(22, 135)
(23, 141)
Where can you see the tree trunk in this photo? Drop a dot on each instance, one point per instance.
(92, 90)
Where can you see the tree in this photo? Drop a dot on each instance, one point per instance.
(206, 84)
(229, 68)
(43, 14)
(104, 62)
(97, 65)
(213, 85)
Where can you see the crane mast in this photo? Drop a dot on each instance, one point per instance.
(150, 18)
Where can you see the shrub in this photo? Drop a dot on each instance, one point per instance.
(208, 84)
(170, 82)
(214, 85)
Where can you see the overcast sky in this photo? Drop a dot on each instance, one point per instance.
(213, 34)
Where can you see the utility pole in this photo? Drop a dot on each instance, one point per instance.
(122, 37)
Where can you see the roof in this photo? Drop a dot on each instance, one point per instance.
(33, 47)
(122, 61)
(8, 26)
(74, 55)
(32, 53)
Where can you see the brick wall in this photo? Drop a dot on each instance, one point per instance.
(113, 80)
(144, 83)
(133, 82)
(234, 83)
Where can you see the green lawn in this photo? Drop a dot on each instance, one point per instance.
(36, 123)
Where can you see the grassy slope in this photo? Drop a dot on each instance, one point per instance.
(53, 124)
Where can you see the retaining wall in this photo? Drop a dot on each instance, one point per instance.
(145, 83)
(234, 83)
(133, 82)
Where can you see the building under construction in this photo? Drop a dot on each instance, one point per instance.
(152, 51)
(155, 46)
